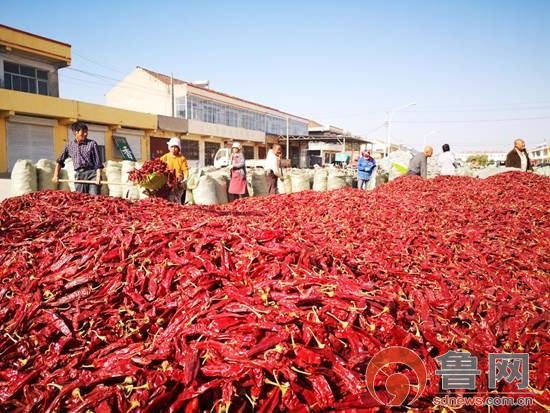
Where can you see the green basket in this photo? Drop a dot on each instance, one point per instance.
(154, 181)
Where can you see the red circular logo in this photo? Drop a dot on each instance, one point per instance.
(396, 384)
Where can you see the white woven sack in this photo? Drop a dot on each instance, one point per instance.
(67, 172)
(129, 191)
(23, 178)
(336, 180)
(258, 182)
(113, 171)
(287, 183)
(300, 181)
(205, 191)
(222, 184)
(44, 173)
(320, 177)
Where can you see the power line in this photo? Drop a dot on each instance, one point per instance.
(473, 121)
(110, 81)
(99, 64)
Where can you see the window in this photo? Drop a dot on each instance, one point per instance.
(25, 78)
(210, 149)
(181, 110)
(248, 152)
(224, 114)
(261, 152)
(190, 149)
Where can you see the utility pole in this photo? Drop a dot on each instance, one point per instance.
(172, 94)
(287, 142)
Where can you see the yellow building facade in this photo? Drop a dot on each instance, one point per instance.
(35, 122)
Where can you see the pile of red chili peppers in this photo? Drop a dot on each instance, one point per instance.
(272, 303)
(154, 178)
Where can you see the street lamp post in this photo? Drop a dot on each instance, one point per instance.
(287, 142)
(389, 116)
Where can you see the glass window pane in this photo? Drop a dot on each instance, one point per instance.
(11, 67)
(210, 149)
(248, 152)
(43, 88)
(16, 83)
(25, 85)
(190, 149)
(28, 71)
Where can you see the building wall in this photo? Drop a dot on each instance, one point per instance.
(140, 92)
(38, 52)
(225, 132)
(540, 154)
(63, 113)
(32, 44)
(134, 107)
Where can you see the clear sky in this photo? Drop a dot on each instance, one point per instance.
(478, 70)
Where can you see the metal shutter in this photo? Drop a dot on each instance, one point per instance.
(29, 141)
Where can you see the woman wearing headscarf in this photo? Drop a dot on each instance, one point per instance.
(177, 163)
(365, 166)
(237, 173)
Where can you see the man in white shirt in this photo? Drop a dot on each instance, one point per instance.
(273, 168)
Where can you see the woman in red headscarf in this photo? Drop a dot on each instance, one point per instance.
(365, 166)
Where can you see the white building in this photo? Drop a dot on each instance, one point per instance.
(540, 154)
(210, 119)
(213, 118)
(497, 157)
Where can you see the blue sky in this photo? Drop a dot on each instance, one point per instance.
(478, 70)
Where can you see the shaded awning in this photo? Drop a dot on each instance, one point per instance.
(326, 137)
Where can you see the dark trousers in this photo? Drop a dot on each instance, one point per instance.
(86, 175)
(271, 181)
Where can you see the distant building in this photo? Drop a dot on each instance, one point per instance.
(30, 63)
(540, 154)
(212, 116)
(143, 111)
(537, 155)
(35, 122)
(496, 157)
(325, 145)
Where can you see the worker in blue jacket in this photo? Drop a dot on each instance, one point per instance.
(365, 166)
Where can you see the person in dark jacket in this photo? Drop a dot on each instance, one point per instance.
(518, 157)
(365, 166)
